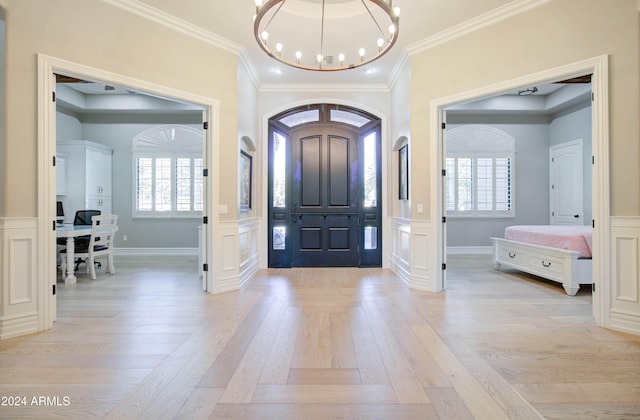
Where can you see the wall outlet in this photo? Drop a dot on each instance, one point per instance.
(420, 208)
(124, 237)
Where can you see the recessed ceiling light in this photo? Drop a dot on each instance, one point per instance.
(370, 71)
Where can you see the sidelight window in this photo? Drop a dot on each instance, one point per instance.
(370, 170)
(279, 238)
(279, 170)
(370, 237)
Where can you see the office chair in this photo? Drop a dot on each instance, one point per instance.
(100, 244)
(82, 217)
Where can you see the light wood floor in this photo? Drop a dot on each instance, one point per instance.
(321, 344)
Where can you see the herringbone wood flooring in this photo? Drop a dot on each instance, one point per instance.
(321, 344)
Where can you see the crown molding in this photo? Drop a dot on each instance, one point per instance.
(397, 69)
(323, 88)
(139, 8)
(170, 21)
(486, 19)
(246, 62)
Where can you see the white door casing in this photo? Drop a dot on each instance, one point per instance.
(598, 68)
(47, 67)
(566, 183)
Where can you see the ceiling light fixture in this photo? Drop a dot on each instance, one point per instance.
(271, 17)
(528, 91)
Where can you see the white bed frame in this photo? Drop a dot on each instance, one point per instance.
(560, 265)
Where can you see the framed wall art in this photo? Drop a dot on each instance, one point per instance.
(403, 172)
(246, 179)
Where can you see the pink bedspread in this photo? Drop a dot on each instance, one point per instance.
(575, 238)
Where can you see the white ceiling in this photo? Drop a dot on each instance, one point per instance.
(232, 21)
(422, 22)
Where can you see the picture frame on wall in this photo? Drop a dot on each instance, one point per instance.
(403, 172)
(246, 177)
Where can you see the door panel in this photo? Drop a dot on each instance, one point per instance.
(338, 172)
(325, 197)
(566, 176)
(310, 176)
(325, 241)
(324, 189)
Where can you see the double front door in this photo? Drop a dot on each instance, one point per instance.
(325, 219)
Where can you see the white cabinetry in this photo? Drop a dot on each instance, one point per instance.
(88, 180)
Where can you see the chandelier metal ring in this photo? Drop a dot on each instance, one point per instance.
(384, 43)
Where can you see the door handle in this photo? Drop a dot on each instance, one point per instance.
(576, 216)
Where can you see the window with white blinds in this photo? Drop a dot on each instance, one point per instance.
(479, 171)
(168, 186)
(479, 185)
(168, 173)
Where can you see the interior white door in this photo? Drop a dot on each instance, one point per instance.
(566, 183)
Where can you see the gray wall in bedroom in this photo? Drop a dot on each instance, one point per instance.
(571, 125)
(531, 170)
(117, 131)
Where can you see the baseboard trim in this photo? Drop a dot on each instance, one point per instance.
(19, 325)
(156, 251)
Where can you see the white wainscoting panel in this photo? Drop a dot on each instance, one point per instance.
(248, 238)
(18, 277)
(229, 252)
(421, 256)
(624, 314)
(238, 248)
(400, 239)
(411, 258)
(227, 272)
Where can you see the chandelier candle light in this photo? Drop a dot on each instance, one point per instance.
(355, 20)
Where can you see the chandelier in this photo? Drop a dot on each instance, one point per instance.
(283, 29)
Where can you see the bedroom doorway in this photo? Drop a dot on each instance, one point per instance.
(441, 112)
(510, 165)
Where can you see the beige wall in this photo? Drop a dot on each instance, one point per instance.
(95, 34)
(555, 34)
(2, 104)
(248, 127)
(400, 127)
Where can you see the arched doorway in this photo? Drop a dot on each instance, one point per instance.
(324, 188)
